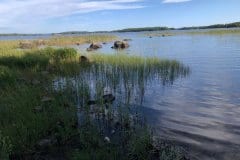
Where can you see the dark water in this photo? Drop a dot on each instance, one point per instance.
(202, 111)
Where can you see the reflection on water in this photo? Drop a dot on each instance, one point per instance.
(128, 81)
(201, 111)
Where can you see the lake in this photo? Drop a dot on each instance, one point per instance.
(201, 111)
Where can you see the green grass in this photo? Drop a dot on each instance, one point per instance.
(42, 88)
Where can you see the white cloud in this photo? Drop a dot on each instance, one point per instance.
(22, 13)
(175, 1)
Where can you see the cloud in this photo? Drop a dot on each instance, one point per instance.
(175, 1)
(22, 13)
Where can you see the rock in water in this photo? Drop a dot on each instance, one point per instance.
(120, 45)
(94, 46)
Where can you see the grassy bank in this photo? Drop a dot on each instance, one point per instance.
(53, 105)
(214, 32)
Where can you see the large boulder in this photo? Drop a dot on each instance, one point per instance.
(120, 45)
(94, 46)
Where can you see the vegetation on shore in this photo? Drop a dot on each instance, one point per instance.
(214, 32)
(45, 110)
(215, 26)
(144, 29)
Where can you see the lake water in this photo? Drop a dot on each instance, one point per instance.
(202, 111)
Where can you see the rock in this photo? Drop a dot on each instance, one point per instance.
(126, 40)
(150, 36)
(104, 43)
(78, 44)
(26, 45)
(120, 45)
(107, 139)
(83, 59)
(108, 98)
(46, 99)
(94, 46)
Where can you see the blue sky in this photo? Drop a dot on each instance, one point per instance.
(46, 16)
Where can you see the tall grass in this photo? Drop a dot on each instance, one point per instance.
(45, 94)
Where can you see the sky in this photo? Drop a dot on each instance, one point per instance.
(53, 16)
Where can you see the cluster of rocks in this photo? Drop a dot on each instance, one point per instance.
(117, 45)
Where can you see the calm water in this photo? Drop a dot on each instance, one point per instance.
(202, 111)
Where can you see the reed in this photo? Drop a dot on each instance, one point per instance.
(45, 96)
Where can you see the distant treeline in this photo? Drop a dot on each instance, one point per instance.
(144, 29)
(229, 25)
(20, 34)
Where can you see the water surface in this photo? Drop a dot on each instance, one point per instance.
(200, 111)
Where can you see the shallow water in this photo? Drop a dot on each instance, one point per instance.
(201, 111)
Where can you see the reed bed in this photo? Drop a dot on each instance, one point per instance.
(44, 105)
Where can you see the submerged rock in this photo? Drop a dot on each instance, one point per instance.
(120, 45)
(94, 46)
